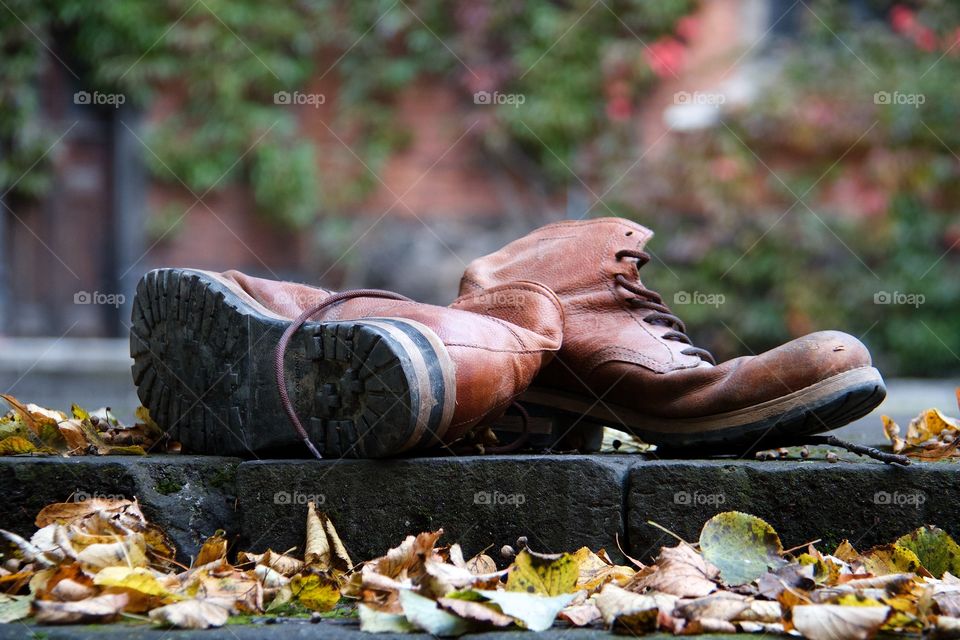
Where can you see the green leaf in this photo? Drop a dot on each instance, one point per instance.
(743, 547)
(934, 548)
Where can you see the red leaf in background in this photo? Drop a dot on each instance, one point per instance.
(665, 56)
(902, 18)
(688, 27)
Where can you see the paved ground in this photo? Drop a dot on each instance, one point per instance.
(290, 629)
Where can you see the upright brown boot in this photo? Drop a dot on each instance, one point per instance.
(360, 374)
(626, 360)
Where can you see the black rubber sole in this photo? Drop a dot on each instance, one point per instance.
(780, 429)
(792, 427)
(203, 366)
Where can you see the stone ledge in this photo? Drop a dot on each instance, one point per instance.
(559, 502)
(866, 502)
(189, 496)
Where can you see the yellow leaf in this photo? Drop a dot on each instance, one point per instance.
(857, 600)
(315, 590)
(144, 590)
(135, 579)
(15, 445)
(929, 424)
(890, 559)
(152, 429)
(594, 571)
(543, 574)
(215, 548)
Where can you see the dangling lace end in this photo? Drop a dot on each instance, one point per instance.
(313, 449)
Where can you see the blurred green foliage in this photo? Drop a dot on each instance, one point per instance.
(800, 207)
(222, 61)
(831, 200)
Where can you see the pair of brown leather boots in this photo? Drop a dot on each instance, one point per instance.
(557, 321)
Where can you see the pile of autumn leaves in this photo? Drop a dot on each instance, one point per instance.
(29, 429)
(100, 560)
(932, 435)
(95, 560)
(737, 578)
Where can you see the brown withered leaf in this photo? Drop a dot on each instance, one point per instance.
(947, 597)
(700, 626)
(191, 614)
(680, 571)
(633, 612)
(281, 563)
(846, 552)
(405, 562)
(481, 564)
(476, 611)
(580, 615)
(441, 578)
(838, 622)
(324, 550)
(791, 576)
(70, 512)
(720, 606)
(102, 608)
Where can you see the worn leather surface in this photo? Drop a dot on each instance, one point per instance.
(609, 351)
(498, 339)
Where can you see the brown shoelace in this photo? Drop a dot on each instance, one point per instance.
(284, 342)
(653, 301)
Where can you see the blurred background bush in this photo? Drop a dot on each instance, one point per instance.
(797, 159)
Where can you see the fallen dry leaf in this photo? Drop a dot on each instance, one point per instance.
(680, 571)
(837, 622)
(103, 608)
(191, 614)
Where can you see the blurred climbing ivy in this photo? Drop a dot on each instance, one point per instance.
(210, 69)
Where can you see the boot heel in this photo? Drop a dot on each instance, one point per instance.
(203, 365)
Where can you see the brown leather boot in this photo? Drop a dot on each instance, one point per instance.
(626, 360)
(370, 376)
